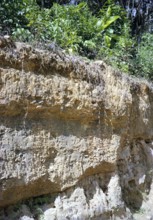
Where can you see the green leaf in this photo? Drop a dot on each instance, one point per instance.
(111, 20)
(108, 12)
(90, 44)
(107, 40)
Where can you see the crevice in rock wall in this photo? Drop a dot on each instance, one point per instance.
(21, 190)
(135, 166)
(91, 198)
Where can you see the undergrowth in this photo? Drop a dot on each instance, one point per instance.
(77, 30)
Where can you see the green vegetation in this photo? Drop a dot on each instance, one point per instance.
(33, 206)
(11, 15)
(145, 56)
(93, 29)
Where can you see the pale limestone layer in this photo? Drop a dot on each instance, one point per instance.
(77, 129)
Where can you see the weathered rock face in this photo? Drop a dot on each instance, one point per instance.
(75, 129)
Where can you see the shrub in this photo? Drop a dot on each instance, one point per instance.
(11, 15)
(119, 49)
(104, 35)
(75, 28)
(145, 57)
